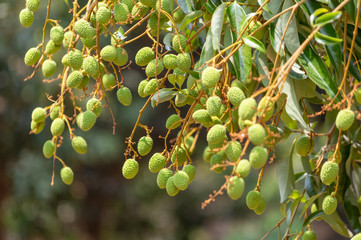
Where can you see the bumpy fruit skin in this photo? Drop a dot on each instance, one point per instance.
(156, 162)
(345, 119)
(243, 168)
(329, 204)
(235, 187)
(144, 56)
(191, 172)
(108, 53)
(148, 3)
(79, 145)
(139, 11)
(84, 82)
(57, 34)
(69, 38)
(173, 121)
(304, 146)
(124, 96)
(145, 145)
(86, 120)
(172, 190)
(37, 127)
(26, 17)
(202, 116)
(329, 172)
(356, 237)
(213, 105)
(234, 150)
(235, 95)
(269, 108)
(261, 207)
(207, 154)
(88, 42)
(49, 148)
(180, 155)
(33, 5)
(154, 67)
(357, 95)
(48, 68)
(216, 134)
(210, 77)
(32, 56)
(247, 109)
(108, 80)
(216, 159)
(103, 15)
(258, 157)
(253, 199)
(95, 106)
(67, 175)
(141, 88)
(52, 48)
(75, 59)
(38, 115)
(122, 57)
(57, 127)
(91, 67)
(309, 235)
(257, 134)
(170, 61)
(163, 176)
(151, 87)
(121, 12)
(83, 29)
(181, 180)
(130, 168)
(179, 43)
(184, 62)
(178, 16)
(74, 79)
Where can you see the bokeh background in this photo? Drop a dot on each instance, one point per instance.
(101, 204)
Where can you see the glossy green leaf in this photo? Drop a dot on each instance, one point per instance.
(316, 13)
(162, 95)
(312, 216)
(186, 6)
(353, 214)
(217, 25)
(285, 176)
(189, 18)
(326, 40)
(336, 224)
(245, 62)
(327, 18)
(309, 203)
(254, 43)
(207, 50)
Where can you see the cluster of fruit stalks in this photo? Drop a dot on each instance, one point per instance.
(233, 121)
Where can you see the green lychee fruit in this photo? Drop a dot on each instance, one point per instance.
(170, 61)
(95, 106)
(124, 96)
(191, 172)
(202, 116)
(309, 235)
(331, 155)
(235, 95)
(48, 68)
(32, 56)
(26, 17)
(172, 190)
(210, 77)
(144, 56)
(57, 127)
(181, 180)
(88, 42)
(75, 59)
(156, 162)
(121, 12)
(130, 168)
(179, 43)
(216, 159)
(243, 168)
(64, 60)
(329, 172)
(141, 88)
(345, 119)
(163, 176)
(216, 134)
(108, 53)
(234, 150)
(184, 61)
(329, 204)
(178, 16)
(271, 140)
(357, 95)
(91, 67)
(207, 154)
(139, 11)
(180, 155)
(79, 145)
(84, 82)
(269, 108)
(258, 157)
(52, 48)
(247, 109)
(154, 68)
(103, 15)
(173, 121)
(213, 105)
(38, 115)
(86, 120)
(261, 207)
(145, 145)
(256, 134)
(67, 175)
(57, 34)
(122, 57)
(235, 187)
(129, 3)
(148, 3)
(49, 148)
(304, 146)
(356, 237)
(84, 29)
(37, 127)
(253, 199)
(33, 5)
(74, 79)
(151, 87)
(69, 38)
(108, 80)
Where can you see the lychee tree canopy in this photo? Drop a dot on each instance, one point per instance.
(251, 73)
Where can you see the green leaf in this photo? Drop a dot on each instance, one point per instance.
(336, 224)
(167, 41)
(217, 25)
(254, 43)
(316, 13)
(189, 18)
(245, 62)
(308, 204)
(353, 214)
(312, 216)
(185, 6)
(207, 50)
(162, 95)
(285, 176)
(326, 40)
(353, 68)
(327, 18)
(317, 71)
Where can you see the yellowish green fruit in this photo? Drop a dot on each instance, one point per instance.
(216, 134)
(329, 204)
(75, 59)
(26, 17)
(74, 79)
(170, 61)
(357, 95)
(139, 11)
(304, 146)
(356, 237)
(79, 145)
(150, 87)
(141, 88)
(95, 106)
(202, 116)
(163, 176)
(154, 68)
(156, 162)
(108, 53)
(256, 134)
(108, 80)
(332, 156)
(345, 119)
(178, 16)
(144, 56)
(171, 189)
(84, 29)
(258, 157)
(235, 187)
(179, 154)
(48, 68)
(184, 61)
(173, 121)
(49, 148)
(210, 77)
(88, 42)
(67, 175)
(329, 172)
(235, 95)
(213, 105)
(181, 180)
(148, 3)
(86, 120)
(261, 206)
(122, 57)
(91, 66)
(243, 168)
(124, 96)
(253, 199)
(247, 109)
(130, 168)
(33, 5)
(32, 56)
(179, 43)
(57, 127)
(216, 159)
(52, 48)
(165, 5)
(145, 145)
(121, 12)
(69, 38)
(57, 34)
(268, 109)
(37, 127)
(191, 172)
(207, 154)
(103, 15)
(309, 235)
(234, 150)
(38, 115)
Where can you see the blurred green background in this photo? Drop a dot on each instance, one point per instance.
(101, 204)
